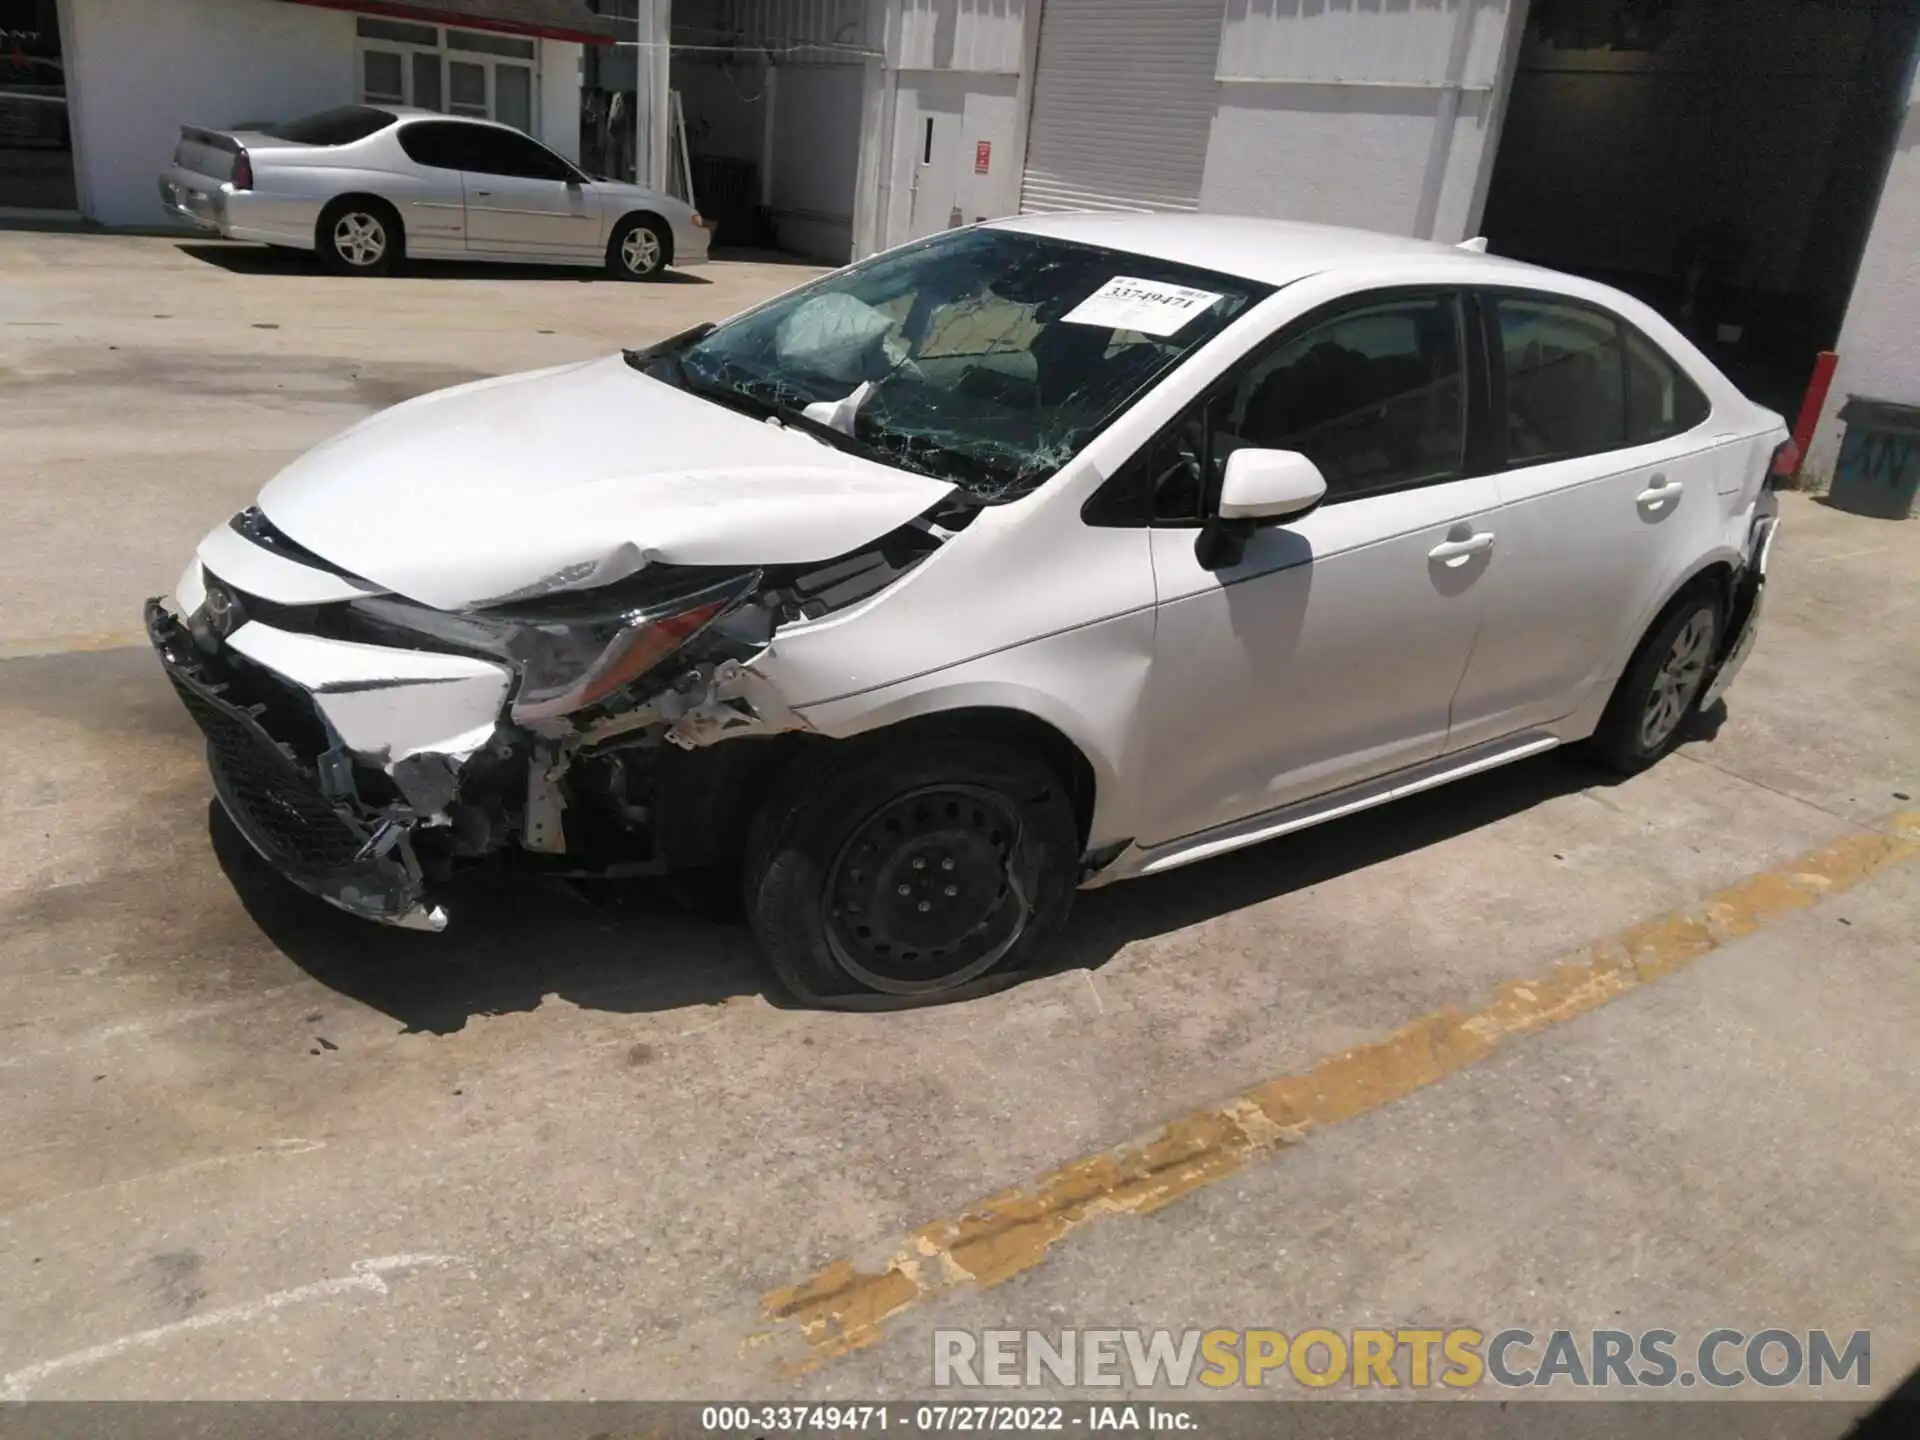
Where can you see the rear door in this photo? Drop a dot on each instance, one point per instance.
(523, 199)
(1607, 481)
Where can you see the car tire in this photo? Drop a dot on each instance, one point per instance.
(640, 249)
(915, 871)
(359, 236)
(1661, 689)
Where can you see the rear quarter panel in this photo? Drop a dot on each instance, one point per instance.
(431, 203)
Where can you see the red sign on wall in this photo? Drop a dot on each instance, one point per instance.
(982, 156)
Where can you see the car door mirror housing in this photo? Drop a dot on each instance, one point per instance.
(1266, 486)
(1260, 487)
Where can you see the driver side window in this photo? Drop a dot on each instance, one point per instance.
(1374, 392)
(1375, 395)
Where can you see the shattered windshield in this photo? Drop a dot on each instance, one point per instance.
(985, 357)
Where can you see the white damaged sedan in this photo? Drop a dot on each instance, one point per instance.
(1030, 557)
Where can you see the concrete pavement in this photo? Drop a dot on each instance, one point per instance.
(250, 1148)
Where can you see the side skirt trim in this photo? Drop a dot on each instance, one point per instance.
(1271, 824)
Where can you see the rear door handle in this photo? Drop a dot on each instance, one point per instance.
(1455, 553)
(1659, 493)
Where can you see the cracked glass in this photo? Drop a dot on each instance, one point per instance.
(960, 357)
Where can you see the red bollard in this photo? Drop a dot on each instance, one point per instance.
(1816, 400)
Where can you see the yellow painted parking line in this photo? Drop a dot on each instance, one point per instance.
(842, 1307)
(70, 644)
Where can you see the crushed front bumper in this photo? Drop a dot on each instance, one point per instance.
(277, 802)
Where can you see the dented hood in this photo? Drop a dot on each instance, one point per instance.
(574, 477)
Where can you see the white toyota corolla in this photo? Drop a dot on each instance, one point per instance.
(1033, 556)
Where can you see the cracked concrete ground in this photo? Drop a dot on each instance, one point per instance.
(251, 1148)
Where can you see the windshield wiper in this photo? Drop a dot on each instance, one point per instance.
(668, 349)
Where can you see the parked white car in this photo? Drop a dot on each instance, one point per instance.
(1032, 556)
(364, 186)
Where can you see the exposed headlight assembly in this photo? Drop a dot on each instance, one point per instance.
(572, 653)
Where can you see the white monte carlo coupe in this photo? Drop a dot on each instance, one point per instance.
(366, 186)
(1029, 557)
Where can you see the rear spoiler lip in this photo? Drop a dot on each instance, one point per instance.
(218, 139)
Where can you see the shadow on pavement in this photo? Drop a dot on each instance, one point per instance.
(1895, 1418)
(1104, 921)
(637, 946)
(268, 260)
(511, 943)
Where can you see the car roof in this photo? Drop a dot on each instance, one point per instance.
(1274, 252)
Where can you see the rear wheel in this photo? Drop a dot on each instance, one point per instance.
(914, 871)
(1661, 690)
(358, 236)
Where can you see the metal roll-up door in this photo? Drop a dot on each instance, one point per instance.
(1123, 100)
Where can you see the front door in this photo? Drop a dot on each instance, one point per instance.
(522, 199)
(1330, 653)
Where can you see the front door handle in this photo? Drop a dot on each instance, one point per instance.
(1659, 493)
(1455, 553)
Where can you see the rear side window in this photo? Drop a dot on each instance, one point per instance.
(1580, 382)
(340, 126)
(1661, 400)
(443, 144)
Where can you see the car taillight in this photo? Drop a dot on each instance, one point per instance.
(1784, 465)
(242, 171)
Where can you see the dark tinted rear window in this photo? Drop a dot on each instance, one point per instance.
(341, 126)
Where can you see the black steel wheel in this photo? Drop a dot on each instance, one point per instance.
(912, 872)
(923, 895)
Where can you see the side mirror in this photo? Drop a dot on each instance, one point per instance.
(1269, 485)
(1260, 487)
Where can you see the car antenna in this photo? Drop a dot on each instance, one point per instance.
(1478, 245)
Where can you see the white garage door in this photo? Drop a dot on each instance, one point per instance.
(1123, 99)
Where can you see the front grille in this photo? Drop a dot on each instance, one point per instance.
(280, 807)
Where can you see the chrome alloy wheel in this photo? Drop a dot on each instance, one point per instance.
(360, 239)
(640, 251)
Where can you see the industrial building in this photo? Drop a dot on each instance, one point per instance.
(1751, 170)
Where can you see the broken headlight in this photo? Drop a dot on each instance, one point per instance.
(573, 653)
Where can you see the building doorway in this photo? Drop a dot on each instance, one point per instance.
(36, 136)
(1721, 163)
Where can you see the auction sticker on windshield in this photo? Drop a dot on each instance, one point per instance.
(1149, 306)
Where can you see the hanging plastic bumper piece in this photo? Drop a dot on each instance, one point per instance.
(361, 864)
